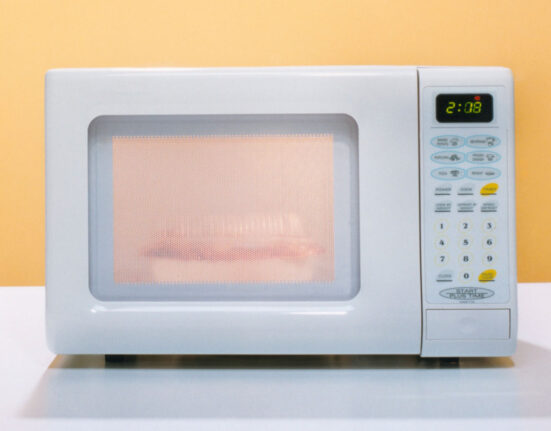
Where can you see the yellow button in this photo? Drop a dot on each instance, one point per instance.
(489, 189)
(488, 275)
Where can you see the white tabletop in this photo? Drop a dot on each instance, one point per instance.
(39, 390)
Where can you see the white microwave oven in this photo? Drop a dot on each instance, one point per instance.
(300, 210)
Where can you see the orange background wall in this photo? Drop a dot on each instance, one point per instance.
(39, 35)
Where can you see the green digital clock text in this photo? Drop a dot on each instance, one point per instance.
(469, 108)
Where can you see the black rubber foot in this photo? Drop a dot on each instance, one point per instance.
(115, 359)
(449, 362)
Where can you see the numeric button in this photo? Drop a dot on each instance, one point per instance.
(465, 258)
(488, 242)
(465, 225)
(441, 226)
(489, 225)
(441, 243)
(465, 276)
(465, 242)
(489, 259)
(442, 259)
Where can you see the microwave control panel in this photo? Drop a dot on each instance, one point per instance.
(465, 195)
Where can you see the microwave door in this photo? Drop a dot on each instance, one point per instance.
(234, 212)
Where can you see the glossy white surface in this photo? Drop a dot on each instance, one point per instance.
(42, 391)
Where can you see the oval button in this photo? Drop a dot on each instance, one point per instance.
(448, 157)
(448, 173)
(483, 157)
(483, 173)
(466, 293)
(489, 189)
(488, 275)
(483, 141)
(448, 141)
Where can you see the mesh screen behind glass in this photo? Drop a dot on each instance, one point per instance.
(223, 209)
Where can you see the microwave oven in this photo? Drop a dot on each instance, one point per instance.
(293, 210)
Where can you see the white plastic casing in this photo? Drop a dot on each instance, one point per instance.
(392, 109)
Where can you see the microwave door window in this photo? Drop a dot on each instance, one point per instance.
(224, 207)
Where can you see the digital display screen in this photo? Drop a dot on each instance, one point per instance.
(464, 108)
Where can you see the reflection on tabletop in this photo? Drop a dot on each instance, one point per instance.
(294, 387)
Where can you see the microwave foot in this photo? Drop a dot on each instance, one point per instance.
(449, 362)
(117, 359)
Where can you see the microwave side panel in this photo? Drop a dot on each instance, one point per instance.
(467, 211)
(382, 318)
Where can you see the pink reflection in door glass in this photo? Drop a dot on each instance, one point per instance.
(223, 209)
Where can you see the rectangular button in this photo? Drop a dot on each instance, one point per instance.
(468, 324)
